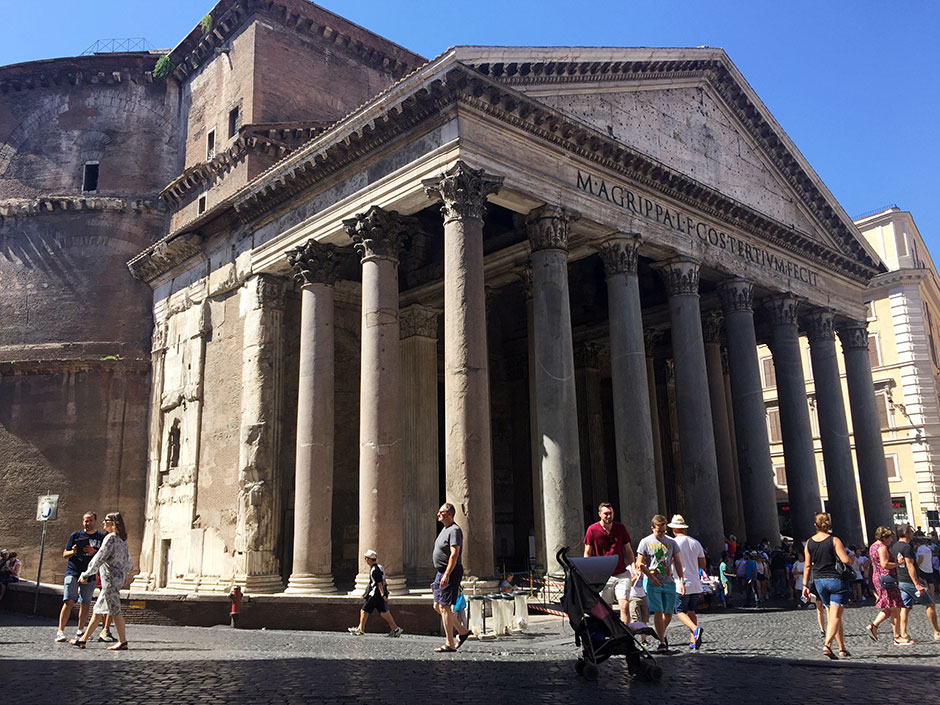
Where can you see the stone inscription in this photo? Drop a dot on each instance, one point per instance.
(631, 201)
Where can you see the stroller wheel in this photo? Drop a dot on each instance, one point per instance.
(590, 672)
(654, 673)
(579, 666)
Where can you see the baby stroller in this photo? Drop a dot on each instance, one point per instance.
(597, 630)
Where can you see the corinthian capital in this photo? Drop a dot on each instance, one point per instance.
(548, 227)
(681, 276)
(783, 310)
(379, 234)
(267, 290)
(854, 335)
(463, 191)
(736, 295)
(819, 326)
(318, 262)
(619, 253)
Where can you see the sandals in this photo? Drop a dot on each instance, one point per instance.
(827, 652)
(461, 638)
(80, 643)
(872, 631)
(120, 646)
(844, 653)
(445, 649)
(904, 641)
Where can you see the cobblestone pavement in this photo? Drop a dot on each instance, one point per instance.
(764, 656)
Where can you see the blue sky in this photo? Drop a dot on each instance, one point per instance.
(856, 84)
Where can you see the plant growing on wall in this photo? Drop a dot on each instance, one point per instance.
(206, 23)
(164, 67)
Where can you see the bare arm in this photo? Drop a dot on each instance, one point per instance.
(807, 564)
(628, 556)
(841, 552)
(451, 564)
(912, 571)
(885, 558)
(588, 551)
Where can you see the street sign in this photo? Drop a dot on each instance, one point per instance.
(47, 508)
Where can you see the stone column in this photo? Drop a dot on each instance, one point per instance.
(591, 427)
(799, 457)
(316, 267)
(378, 237)
(729, 410)
(755, 469)
(650, 339)
(693, 408)
(866, 429)
(419, 439)
(467, 441)
(833, 429)
(258, 517)
(633, 429)
(548, 229)
(711, 327)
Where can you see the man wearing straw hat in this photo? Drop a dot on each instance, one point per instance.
(692, 558)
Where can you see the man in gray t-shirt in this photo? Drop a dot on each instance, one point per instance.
(446, 587)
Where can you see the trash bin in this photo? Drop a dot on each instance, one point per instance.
(477, 622)
(502, 606)
(520, 616)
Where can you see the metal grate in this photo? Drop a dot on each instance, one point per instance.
(111, 46)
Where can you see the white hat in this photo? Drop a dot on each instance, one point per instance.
(678, 522)
(371, 554)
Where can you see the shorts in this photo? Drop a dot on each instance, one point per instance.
(76, 591)
(689, 602)
(639, 610)
(662, 598)
(622, 586)
(376, 602)
(832, 590)
(447, 595)
(909, 596)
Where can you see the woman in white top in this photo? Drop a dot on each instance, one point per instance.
(112, 562)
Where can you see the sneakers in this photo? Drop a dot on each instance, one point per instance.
(78, 633)
(663, 646)
(355, 631)
(395, 633)
(106, 636)
(696, 638)
(60, 636)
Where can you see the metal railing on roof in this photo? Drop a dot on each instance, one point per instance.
(112, 46)
(875, 211)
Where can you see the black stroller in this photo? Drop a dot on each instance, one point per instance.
(597, 630)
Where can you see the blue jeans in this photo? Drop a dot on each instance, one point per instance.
(910, 598)
(832, 590)
(78, 592)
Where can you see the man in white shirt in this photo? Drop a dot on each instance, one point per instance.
(692, 558)
(924, 560)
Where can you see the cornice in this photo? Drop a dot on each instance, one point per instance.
(97, 70)
(899, 276)
(165, 254)
(42, 205)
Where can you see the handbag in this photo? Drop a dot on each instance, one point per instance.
(845, 571)
(887, 581)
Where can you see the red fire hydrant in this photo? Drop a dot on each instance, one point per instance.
(235, 597)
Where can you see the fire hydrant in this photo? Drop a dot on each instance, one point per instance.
(235, 597)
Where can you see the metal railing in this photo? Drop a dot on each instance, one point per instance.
(112, 46)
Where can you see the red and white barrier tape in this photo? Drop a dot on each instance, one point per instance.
(547, 610)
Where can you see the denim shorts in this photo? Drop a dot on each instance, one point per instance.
(910, 598)
(832, 590)
(78, 592)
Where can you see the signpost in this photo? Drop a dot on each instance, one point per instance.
(47, 509)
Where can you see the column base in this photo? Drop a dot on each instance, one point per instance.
(143, 582)
(260, 584)
(308, 584)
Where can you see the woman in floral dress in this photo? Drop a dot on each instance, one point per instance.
(112, 562)
(888, 599)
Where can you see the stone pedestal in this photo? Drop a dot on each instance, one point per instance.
(636, 467)
(378, 236)
(755, 469)
(316, 268)
(802, 485)
(866, 429)
(833, 429)
(259, 508)
(420, 495)
(699, 465)
(555, 393)
(467, 441)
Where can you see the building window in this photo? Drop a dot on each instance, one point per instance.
(891, 465)
(173, 445)
(900, 238)
(874, 350)
(202, 205)
(870, 311)
(884, 416)
(933, 346)
(233, 121)
(809, 362)
(822, 475)
(780, 476)
(210, 145)
(90, 177)
(768, 374)
(813, 417)
(899, 509)
(773, 425)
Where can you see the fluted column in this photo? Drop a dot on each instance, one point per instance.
(419, 439)
(467, 439)
(378, 237)
(591, 426)
(633, 431)
(650, 339)
(693, 408)
(833, 428)
(316, 268)
(755, 470)
(258, 512)
(548, 229)
(711, 326)
(799, 457)
(866, 429)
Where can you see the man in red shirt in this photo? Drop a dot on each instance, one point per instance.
(610, 538)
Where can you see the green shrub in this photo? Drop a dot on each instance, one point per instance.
(164, 67)
(206, 23)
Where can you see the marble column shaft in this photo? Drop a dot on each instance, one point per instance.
(650, 338)
(633, 430)
(833, 429)
(693, 407)
(556, 400)
(378, 237)
(591, 426)
(419, 438)
(866, 428)
(316, 268)
(734, 444)
(799, 456)
(724, 452)
(755, 469)
(467, 439)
